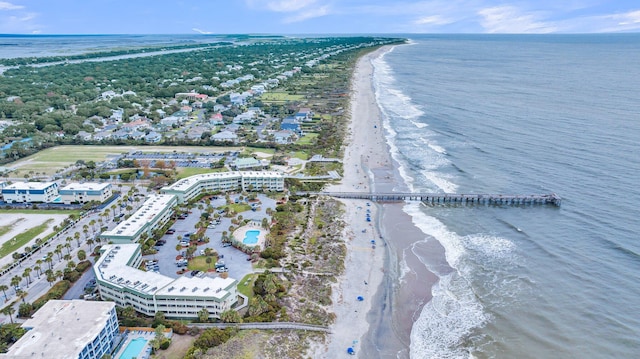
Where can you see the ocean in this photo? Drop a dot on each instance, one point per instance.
(520, 114)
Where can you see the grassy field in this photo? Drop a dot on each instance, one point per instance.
(280, 97)
(245, 286)
(307, 139)
(303, 155)
(22, 239)
(192, 171)
(50, 160)
(200, 263)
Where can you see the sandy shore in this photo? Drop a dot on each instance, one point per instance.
(364, 268)
(380, 325)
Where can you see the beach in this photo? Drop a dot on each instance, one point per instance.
(372, 327)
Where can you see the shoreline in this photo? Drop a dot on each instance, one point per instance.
(376, 326)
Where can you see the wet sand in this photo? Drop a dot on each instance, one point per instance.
(380, 325)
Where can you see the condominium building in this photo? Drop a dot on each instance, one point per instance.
(68, 329)
(22, 192)
(86, 192)
(119, 280)
(188, 188)
(154, 213)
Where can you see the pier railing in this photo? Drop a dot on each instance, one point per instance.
(448, 198)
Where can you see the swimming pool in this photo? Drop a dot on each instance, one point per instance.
(133, 349)
(251, 237)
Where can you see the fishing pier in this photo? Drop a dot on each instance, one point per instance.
(449, 198)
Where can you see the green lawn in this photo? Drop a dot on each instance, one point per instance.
(23, 238)
(6, 229)
(50, 160)
(200, 263)
(238, 207)
(245, 286)
(280, 97)
(307, 139)
(184, 172)
(303, 155)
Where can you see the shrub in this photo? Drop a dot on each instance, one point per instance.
(71, 276)
(81, 267)
(165, 344)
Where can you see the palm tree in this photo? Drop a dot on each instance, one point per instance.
(27, 274)
(49, 260)
(37, 268)
(9, 310)
(92, 223)
(58, 251)
(90, 243)
(22, 294)
(59, 274)
(76, 236)
(68, 247)
(15, 281)
(71, 265)
(3, 288)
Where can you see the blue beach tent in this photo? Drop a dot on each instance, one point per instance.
(350, 351)
(360, 298)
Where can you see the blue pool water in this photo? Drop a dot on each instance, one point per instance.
(251, 237)
(134, 348)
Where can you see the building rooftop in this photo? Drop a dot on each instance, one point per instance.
(87, 186)
(61, 327)
(153, 206)
(113, 266)
(30, 185)
(186, 183)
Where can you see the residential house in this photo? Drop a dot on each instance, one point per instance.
(292, 124)
(225, 136)
(83, 135)
(153, 137)
(284, 137)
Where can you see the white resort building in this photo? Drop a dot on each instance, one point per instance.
(86, 192)
(68, 329)
(119, 280)
(22, 192)
(154, 213)
(188, 188)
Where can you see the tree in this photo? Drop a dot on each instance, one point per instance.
(37, 268)
(27, 274)
(76, 236)
(15, 282)
(209, 260)
(8, 310)
(203, 315)
(3, 288)
(230, 316)
(82, 255)
(21, 294)
(49, 260)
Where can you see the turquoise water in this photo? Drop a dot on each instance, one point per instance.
(251, 237)
(134, 348)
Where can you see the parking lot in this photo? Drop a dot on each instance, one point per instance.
(235, 261)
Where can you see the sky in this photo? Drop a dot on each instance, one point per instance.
(317, 16)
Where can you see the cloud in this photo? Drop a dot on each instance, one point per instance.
(509, 19)
(433, 20)
(308, 14)
(626, 21)
(201, 31)
(298, 10)
(9, 6)
(289, 5)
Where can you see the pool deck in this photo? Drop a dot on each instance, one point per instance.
(135, 333)
(240, 233)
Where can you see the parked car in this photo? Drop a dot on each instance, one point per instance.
(222, 269)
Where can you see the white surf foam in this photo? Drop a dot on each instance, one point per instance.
(455, 310)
